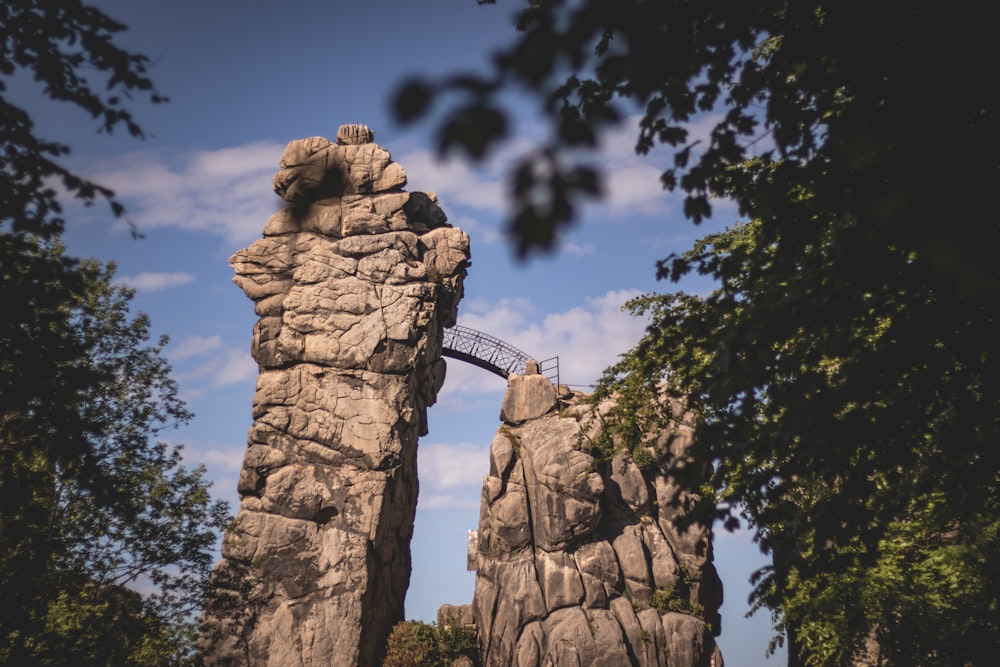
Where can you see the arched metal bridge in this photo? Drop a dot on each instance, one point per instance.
(492, 354)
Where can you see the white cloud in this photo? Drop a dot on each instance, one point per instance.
(443, 466)
(227, 457)
(631, 182)
(237, 366)
(225, 192)
(455, 182)
(228, 191)
(222, 369)
(451, 475)
(577, 250)
(194, 346)
(447, 501)
(479, 230)
(636, 189)
(154, 281)
(587, 339)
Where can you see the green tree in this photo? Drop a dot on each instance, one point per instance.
(852, 423)
(105, 538)
(844, 370)
(418, 644)
(84, 529)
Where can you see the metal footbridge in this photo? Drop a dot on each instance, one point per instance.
(492, 354)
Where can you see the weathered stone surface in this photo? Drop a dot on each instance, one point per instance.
(508, 598)
(315, 168)
(689, 642)
(629, 483)
(354, 281)
(460, 615)
(528, 397)
(354, 133)
(559, 579)
(424, 211)
(600, 572)
(573, 553)
(564, 491)
(503, 529)
(374, 214)
(634, 562)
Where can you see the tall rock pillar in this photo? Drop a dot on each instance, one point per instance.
(353, 281)
(580, 561)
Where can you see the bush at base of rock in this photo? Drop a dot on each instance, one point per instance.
(418, 644)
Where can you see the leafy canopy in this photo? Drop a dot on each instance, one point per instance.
(106, 539)
(92, 507)
(844, 369)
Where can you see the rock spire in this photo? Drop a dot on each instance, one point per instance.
(353, 281)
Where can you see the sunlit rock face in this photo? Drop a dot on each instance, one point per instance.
(353, 281)
(579, 560)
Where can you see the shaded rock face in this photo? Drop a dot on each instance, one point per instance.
(579, 561)
(353, 282)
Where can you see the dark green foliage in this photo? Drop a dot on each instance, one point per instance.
(855, 431)
(90, 504)
(92, 507)
(844, 372)
(417, 644)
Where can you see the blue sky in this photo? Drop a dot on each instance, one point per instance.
(244, 78)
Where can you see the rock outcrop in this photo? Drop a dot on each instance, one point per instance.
(579, 560)
(353, 282)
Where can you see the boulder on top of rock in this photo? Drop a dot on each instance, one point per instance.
(528, 397)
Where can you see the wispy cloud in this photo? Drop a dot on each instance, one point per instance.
(237, 366)
(632, 183)
(456, 183)
(194, 346)
(587, 339)
(223, 368)
(451, 475)
(482, 230)
(222, 461)
(225, 192)
(154, 281)
(578, 249)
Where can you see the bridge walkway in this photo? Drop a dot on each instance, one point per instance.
(492, 354)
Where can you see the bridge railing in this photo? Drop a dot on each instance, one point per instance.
(492, 354)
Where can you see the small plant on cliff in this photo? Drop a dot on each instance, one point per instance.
(515, 439)
(644, 459)
(664, 601)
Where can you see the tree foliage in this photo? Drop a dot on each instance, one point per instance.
(853, 422)
(106, 539)
(418, 644)
(85, 528)
(68, 48)
(844, 369)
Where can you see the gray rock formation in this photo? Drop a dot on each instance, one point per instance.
(353, 281)
(579, 561)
